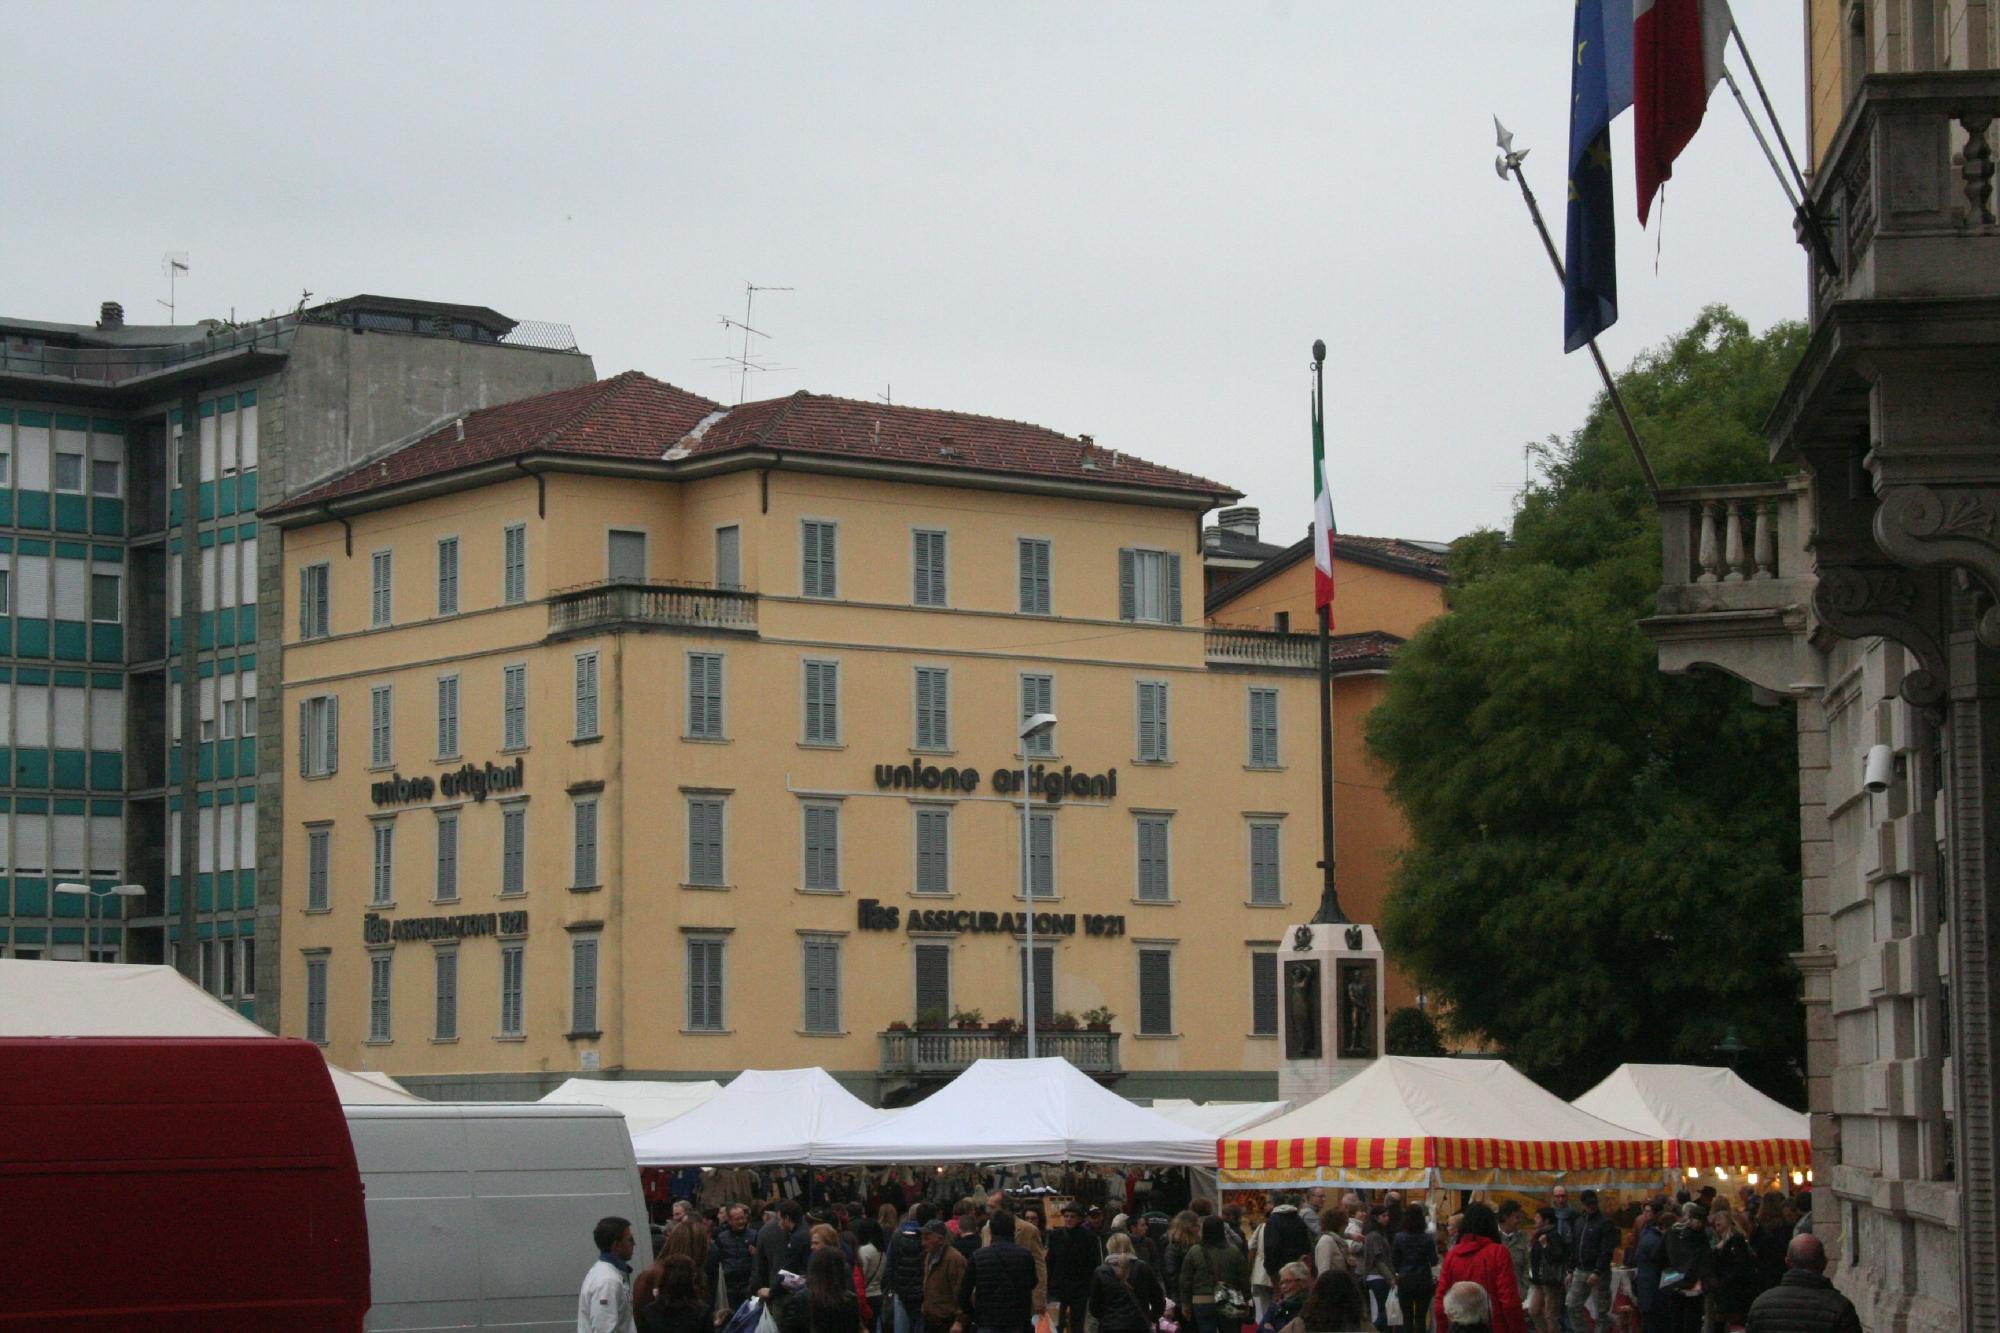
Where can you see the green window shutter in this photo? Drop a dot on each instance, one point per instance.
(1264, 994)
(1128, 592)
(1264, 883)
(1156, 1001)
(933, 977)
(1173, 588)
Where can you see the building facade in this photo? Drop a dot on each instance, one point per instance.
(631, 734)
(1861, 593)
(139, 752)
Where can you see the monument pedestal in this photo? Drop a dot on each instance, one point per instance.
(1330, 1020)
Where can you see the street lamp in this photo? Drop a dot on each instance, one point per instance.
(1039, 724)
(86, 892)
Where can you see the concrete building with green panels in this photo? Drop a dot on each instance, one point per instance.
(119, 529)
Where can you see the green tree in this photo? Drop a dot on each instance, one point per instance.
(1605, 858)
(1412, 1031)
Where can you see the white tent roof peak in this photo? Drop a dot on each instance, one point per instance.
(645, 1103)
(1043, 1110)
(762, 1116)
(1695, 1103)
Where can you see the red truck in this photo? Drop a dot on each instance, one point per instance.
(177, 1183)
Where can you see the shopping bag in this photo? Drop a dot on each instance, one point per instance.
(765, 1323)
(1392, 1309)
(748, 1315)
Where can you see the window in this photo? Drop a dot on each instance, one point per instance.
(107, 598)
(382, 582)
(1149, 586)
(822, 846)
(69, 472)
(704, 983)
(1038, 695)
(73, 589)
(933, 979)
(447, 576)
(6, 463)
(822, 703)
(107, 719)
(927, 568)
(246, 988)
(583, 985)
(1265, 886)
(1155, 886)
(933, 709)
(446, 963)
(316, 1000)
(447, 692)
(447, 858)
(246, 685)
(1041, 852)
(1045, 982)
(704, 863)
(625, 556)
(104, 476)
(586, 696)
(1032, 556)
(583, 826)
(1263, 728)
(227, 685)
(818, 575)
(1156, 992)
(514, 707)
(729, 557)
(512, 959)
(313, 602)
(6, 592)
(933, 849)
(247, 569)
(381, 714)
(32, 573)
(205, 693)
(1153, 731)
(514, 564)
(318, 850)
(1263, 993)
(513, 849)
(379, 979)
(385, 863)
(319, 736)
(230, 579)
(704, 696)
(822, 984)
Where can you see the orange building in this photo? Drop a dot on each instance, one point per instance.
(1385, 590)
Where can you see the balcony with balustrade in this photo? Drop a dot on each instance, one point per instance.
(674, 608)
(928, 1056)
(1736, 585)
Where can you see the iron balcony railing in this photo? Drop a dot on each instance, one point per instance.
(624, 605)
(26, 355)
(947, 1052)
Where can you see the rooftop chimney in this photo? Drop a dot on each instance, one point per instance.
(1087, 455)
(1242, 520)
(111, 315)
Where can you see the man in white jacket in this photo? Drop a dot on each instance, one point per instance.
(605, 1303)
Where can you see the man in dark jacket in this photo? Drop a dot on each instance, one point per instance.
(1803, 1301)
(1285, 1237)
(774, 1245)
(998, 1293)
(1596, 1237)
(1075, 1251)
(903, 1269)
(734, 1256)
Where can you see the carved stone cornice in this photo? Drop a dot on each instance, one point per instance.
(1956, 525)
(1858, 600)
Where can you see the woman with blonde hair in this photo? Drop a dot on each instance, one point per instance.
(1182, 1236)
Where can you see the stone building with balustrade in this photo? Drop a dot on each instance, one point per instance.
(1862, 594)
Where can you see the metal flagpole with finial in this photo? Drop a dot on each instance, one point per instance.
(1509, 164)
(1329, 912)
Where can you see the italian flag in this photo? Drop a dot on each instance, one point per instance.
(1322, 519)
(1676, 63)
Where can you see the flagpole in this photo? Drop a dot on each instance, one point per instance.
(1807, 222)
(1329, 912)
(1508, 163)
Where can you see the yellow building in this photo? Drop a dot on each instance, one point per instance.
(631, 733)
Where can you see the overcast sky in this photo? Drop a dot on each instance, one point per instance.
(1128, 220)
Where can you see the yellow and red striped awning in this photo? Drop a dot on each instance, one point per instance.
(1755, 1154)
(1253, 1154)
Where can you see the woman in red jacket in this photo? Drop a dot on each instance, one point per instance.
(1480, 1256)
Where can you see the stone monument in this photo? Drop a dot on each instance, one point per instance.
(1330, 1020)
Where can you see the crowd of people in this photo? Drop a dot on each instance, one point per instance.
(1699, 1264)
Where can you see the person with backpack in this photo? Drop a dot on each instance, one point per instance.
(1413, 1251)
(1215, 1282)
(1125, 1293)
(903, 1272)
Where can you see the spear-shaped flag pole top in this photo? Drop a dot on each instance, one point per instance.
(1509, 164)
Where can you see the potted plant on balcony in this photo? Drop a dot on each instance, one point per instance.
(1063, 1021)
(930, 1020)
(967, 1020)
(1098, 1019)
(1005, 1027)
(897, 1025)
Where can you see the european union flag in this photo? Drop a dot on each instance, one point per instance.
(1600, 87)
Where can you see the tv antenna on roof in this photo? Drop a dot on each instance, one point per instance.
(173, 263)
(743, 361)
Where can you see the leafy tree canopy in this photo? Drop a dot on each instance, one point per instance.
(1605, 858)
(1412, 1031)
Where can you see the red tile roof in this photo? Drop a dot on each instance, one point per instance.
(635, 417)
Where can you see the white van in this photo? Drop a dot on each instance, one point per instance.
(479, 1216)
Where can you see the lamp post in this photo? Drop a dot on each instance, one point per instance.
(87, 893)
(1037, 725)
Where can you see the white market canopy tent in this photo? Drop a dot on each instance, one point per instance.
(1024, 1111)
(763, 1116)
(645, 1104)
(1703, 1117)
(1427, 1121)
(49, 999)
(1217, 1119)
